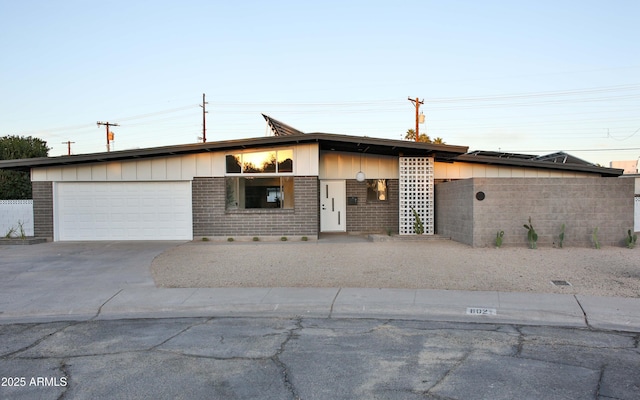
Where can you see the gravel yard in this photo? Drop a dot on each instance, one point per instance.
(431, 264)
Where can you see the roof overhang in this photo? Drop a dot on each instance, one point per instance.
(542, 164)
(326, 141)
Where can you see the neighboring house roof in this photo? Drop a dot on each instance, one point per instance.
(556, 161)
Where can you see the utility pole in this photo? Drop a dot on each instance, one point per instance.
(68, 143)
(417, 104)
(109, 133)
(204, 119)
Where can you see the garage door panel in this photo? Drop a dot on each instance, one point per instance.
(123, 211)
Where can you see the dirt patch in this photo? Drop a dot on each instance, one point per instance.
(609, 271)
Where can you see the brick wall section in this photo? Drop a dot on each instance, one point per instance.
(43, 209)
(375, 216)
(211, 219)
(454, 210)
(580, 203)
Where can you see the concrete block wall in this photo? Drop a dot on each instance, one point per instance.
(42, 193)
(582, 204)
(374, 216)
(454, 210)
(210, 218)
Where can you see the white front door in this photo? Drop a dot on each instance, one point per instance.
(333, 206)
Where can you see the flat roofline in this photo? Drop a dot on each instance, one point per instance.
(326, 140)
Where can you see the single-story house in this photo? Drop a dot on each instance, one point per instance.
(297, 184)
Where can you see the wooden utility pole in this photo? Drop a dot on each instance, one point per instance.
(204, 119)
(68, 143)
(417, 104)
(109, 134)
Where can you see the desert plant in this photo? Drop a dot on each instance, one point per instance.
(499, 237)
(10, 232)
(284, 239)
(561, 236)
(532, 236)
(631, 239)
(594, 237)
(418, 227)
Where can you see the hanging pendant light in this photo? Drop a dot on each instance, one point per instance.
(360, 177)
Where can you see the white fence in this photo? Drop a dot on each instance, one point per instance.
(16, 212)
(636, 224)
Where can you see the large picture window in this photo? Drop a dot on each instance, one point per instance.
(257, 192)
(263, 162)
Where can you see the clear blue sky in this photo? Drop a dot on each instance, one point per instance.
(524, 76)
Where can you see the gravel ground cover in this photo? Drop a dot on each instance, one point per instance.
(433, 264)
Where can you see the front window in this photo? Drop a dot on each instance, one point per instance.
(262, 162)
(257, 192)
(377, 190)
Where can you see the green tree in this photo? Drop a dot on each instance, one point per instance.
(424, 138)
(16, 185)
(411, 135)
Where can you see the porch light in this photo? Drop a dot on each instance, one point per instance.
(360, 176)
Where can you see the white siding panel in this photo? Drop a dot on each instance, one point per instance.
(174, 169)
(159, 169)
(98, 172)
(143, 170)
(129, 171)
(114, 171)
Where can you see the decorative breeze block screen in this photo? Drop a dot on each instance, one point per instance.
(416, 190)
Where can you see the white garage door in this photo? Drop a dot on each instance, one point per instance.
(123, 211)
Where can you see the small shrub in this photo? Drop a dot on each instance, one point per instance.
(532, 236)
(10, 232)
(631, 239)
(284, 239)
(389, 231)
(205, 239)
(23, 235)
(256, 239)
(418, 226)
(499, 237)
(229, 239)
(594, 236)
(304, 238)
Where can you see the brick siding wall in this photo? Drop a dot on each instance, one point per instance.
(42, 209)
(374, 216)
(210, 218)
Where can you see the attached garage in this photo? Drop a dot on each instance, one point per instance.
(122, 210)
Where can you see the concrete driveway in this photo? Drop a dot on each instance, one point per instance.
(72, 277)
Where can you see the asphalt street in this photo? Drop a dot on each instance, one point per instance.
(300, 358)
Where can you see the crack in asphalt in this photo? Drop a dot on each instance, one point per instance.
(104, 304)
(286, 375)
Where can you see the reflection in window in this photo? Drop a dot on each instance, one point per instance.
(280, 161)
(377, 190)
(246, 193)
